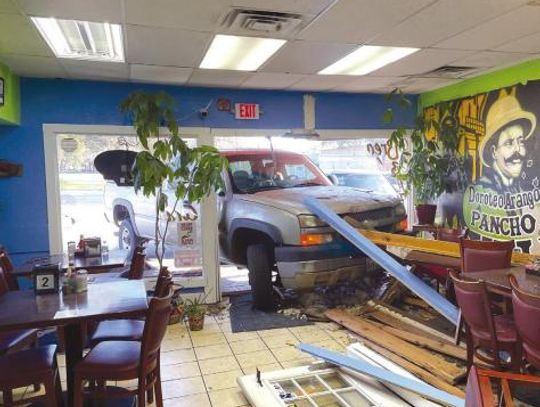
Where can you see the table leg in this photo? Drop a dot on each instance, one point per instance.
(74, 353)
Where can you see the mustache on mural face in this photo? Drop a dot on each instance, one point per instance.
(515, 156)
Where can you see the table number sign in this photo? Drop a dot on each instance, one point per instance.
(46, 278)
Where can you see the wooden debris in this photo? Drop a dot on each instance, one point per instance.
(415, 370)
(394, 292)
(417, 302)
(448, 371)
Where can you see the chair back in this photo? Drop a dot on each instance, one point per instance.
(4, 288)
(527, 319)
(472, 298)
(155, 327)
(451, 235)
(163, 283)
(7, 266)
(136, 268)
(477, 255)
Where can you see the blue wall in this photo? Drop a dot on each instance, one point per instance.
(23, 203)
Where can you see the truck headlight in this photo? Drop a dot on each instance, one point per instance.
(311, 239)
(311, 221)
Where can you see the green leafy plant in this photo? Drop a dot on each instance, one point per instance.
(195, 307)
(427, 166)
(191, 173)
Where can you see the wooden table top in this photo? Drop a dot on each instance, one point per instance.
(498, 279)
(116, 258)
(107, 299)
(418, 257)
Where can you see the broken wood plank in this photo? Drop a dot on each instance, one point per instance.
(446, 370)
(416, 302)
(383, 375)
(415, 370)
(394, 292)
(439, 247)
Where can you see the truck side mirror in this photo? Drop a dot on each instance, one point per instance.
(333, 179)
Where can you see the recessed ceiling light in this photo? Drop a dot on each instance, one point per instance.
(239, 53)
(82, 39)
(366, 59)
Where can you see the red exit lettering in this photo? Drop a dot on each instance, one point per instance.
(248, 111)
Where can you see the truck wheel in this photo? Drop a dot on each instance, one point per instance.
(127, 239)
(260, 277)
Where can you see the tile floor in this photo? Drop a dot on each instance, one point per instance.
(199, 369)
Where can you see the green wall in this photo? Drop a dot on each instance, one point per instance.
(10, 112)
(521, 73)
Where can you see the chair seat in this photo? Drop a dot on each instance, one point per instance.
(111, 360)
(505, 329)
(438, 272)
(12, 339)
(30, 362)
(118, 330)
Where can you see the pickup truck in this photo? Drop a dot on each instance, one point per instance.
(264, 224)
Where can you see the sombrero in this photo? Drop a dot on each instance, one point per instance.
(503, 112)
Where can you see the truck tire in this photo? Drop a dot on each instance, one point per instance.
(260, 277)
(127, 239)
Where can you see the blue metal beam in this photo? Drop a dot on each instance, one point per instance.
(400, 272)
(384, 375)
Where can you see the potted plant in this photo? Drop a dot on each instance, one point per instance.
(430, 162)
(191, 173)
(195, 310)
(178, 308)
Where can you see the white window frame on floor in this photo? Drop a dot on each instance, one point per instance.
(209, 217)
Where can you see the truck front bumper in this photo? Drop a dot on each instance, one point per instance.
(307, 267)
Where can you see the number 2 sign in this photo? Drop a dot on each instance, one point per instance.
(46, 280)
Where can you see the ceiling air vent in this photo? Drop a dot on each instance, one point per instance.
(449, 71)
(243, 21)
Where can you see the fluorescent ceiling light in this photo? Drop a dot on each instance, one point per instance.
(239, 53)
(82, 39)
(366, 59)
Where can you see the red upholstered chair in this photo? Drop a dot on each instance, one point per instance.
(477, 255)
(7, 266)
(129, 329)
(483, 330)
(36, 365)
(527, 318)
(127, 360)
(13, 341)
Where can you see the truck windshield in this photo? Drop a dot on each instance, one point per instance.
(255, 171)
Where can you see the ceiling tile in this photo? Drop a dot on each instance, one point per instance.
(271, 80)
(94, 10)
(165, 46)
(513, 25)
(368, 84)
(201, 15)
(28, 41)
(34, 66)
(218, 78)
(422, 61)
(307, 57)
(355, 21)
(528, 44)
(160, 74)
(321, 82)
(416, 85)
(488, 59)
(95, 69)
(310, 7)
(8, 6)
(441, 20)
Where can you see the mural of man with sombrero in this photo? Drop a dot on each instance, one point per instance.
(503, 150)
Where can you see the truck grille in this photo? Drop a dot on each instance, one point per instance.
(382, 213)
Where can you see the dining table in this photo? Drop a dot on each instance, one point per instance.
(99, 264)
(104, 299)
(418, 257)
(498, 283)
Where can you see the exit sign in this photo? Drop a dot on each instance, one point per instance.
(246, 111)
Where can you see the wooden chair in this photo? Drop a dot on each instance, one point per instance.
(135, 270)
(527, 318)
(483, 330)
(36, 365)
(480, 384)
(127, 360)
(7, 266)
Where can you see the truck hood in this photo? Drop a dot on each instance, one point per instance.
(340, 199)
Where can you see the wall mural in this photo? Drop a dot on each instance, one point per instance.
(501, 143)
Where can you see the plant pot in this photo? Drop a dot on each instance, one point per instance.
(426, 214)
(177, 314)
(196, 322)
